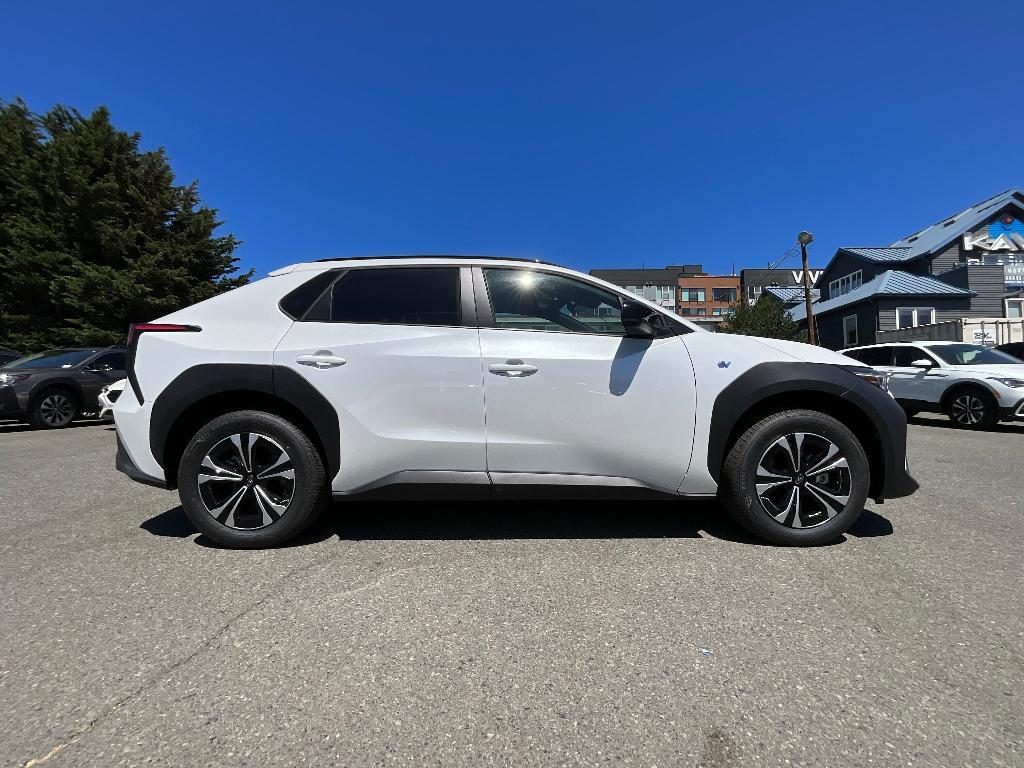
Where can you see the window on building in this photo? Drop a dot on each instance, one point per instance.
(398, 295)
(850, 331)
(523, 299)
(717, 311)
(845, 284)
(701, 311)
(1015, 307)
(666, 294)
(692, 294)
(911, 317)
(727, 295)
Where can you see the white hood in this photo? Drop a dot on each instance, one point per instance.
(808, 353)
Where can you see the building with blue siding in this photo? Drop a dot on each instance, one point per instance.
(967, 265)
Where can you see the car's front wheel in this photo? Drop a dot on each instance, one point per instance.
(53, 409)
(797, 477)
(971, 408)
(251, 479)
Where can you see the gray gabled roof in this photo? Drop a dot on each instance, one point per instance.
(937, 236)
(880, 254)
(785, 293)
(892, 282)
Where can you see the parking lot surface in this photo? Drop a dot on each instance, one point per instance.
(640, 633)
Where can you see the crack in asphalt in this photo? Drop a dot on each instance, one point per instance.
(169, 670)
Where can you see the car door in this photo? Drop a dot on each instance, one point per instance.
(394, 352)
(100, 371)
(568, 395)
(908, 382)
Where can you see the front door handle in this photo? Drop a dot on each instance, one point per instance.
(321, 359)
(512, 368)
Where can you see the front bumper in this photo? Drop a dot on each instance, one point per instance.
(1013, 412)
(10, 408)
(890, 423)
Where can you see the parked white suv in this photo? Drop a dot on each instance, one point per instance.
(974, 385)
(340, 376)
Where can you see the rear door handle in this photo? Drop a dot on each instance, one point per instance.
(512, 368)
(321, 359)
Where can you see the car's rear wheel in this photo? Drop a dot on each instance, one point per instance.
(797, 477)
(971, 408)
(53, 409)
(251, 479)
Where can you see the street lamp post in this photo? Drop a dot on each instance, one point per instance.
(805, 238)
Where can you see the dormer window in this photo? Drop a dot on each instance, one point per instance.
(845, 284)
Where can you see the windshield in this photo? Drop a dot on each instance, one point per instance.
(972, 354)
(54, 358)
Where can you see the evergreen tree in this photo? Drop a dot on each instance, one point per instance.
(767, 318)
(94, 233)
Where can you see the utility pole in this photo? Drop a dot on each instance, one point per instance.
(805, 238)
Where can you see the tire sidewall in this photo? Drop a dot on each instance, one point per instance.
(308, 493)
(988, 420)
(745, 498)
(35, 413)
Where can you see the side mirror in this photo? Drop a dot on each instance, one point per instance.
(923, 363)
(636, 319)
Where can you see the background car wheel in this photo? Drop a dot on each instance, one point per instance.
(251, 479)
(53, 409)
(971, 408)
(796, 477)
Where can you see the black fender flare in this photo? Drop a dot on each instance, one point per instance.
(768, 380)
(203, 381)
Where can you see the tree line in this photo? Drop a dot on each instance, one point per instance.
(95, 233)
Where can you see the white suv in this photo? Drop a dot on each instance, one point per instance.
(974, 385)
(340, 376)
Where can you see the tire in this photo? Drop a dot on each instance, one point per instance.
(53, 408)
(971, 408)
(263, 507)
(766, 449)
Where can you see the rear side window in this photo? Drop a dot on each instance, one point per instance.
(875, 356)
(116, 361)
(296, 303)
(398, 295)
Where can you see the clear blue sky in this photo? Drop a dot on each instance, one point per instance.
(594, 134)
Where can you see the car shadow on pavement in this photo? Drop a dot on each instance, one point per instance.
(941, 422)
(426, 520)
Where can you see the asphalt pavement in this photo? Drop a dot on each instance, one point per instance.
(522, 633)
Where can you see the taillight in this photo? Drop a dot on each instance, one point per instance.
(135, 330)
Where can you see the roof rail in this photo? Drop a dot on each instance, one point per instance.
(437, 256)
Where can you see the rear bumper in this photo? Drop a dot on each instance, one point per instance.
(123, 463)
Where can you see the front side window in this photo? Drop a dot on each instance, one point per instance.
(116, 361)
(911, 317)
(527, 300)
(849, 330)
(905, 356)
(398, 295)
